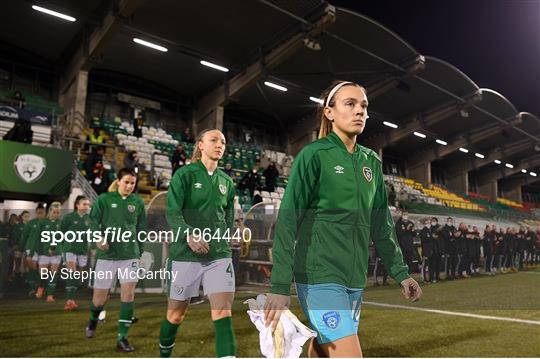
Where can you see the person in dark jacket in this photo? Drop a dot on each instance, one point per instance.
(178, 158)
(251, 181)
(18, 100)
(94, 158)
(131, 161)
(474, 254)
(405, 234)
(463, 259)
(20, 132)
(529, 245)
(187, 137)
(521, 247)
(100, 181)
(271, 175)
(448, 234)
(488, 243)
(510, 240)
(426, 242)
(437, 250)
(500, 250)
(138, 123)
(470, 244)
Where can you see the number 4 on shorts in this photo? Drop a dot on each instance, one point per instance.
(229, 269)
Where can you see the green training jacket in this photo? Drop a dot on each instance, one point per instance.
(334, 204)
(111, 210)
(198, 200)
(31, 234)
(75, 223)
(41, 247)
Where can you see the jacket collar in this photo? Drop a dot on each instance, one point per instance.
(204, 169)
(334, 138)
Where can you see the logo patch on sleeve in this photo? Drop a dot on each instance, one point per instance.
(368, 173)
(223, 189)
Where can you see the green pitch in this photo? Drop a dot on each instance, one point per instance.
(34, 328)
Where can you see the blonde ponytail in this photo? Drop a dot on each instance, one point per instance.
(54, 205)
(113, 187)
(197, 155)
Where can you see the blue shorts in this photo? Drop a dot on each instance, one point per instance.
(333, 310)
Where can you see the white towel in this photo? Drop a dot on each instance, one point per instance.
(288, 338)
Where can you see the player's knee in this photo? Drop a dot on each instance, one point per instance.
(175, 317)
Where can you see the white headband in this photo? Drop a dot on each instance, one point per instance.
(334, 90)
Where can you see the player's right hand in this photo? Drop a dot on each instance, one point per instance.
(197, 245)
(274, 306)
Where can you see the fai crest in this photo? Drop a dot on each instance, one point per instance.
(331, 319)
(131, 208)
(368, 174)
(179, 290)
(29, 167)
(222, 189)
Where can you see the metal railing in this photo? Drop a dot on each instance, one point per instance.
(69, 144)
(80, 181)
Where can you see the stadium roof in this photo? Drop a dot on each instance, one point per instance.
(416, 92)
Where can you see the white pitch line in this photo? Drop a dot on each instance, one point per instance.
(459, 314)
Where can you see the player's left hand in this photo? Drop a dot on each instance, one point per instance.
(274, 307)
(411, 289)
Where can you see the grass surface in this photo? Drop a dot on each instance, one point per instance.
(33, 328)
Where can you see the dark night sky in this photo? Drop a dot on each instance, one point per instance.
(495, 42)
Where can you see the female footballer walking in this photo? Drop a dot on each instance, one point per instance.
(200, 211)
(335, 202)
(119, 208)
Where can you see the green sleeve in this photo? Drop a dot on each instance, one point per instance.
(175, 203)
(96, 215)
(45, 246)
(383, 232)
(66, 222)
(141, 226)
(35, 237)
(296, 200)
(24, 235)
(229, 210)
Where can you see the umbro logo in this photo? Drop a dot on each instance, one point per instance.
(339, 169)
(198, 185)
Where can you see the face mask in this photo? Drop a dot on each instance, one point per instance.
(433, 224)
